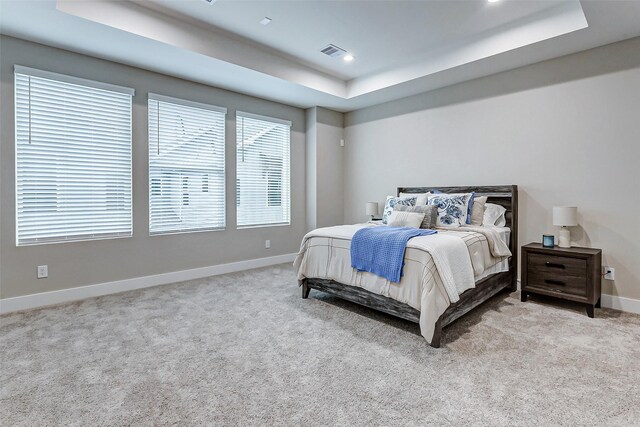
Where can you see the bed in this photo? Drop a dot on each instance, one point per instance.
(436, 309)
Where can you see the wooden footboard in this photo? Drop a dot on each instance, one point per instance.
(363, 297)
(484, 290)
(504, 195)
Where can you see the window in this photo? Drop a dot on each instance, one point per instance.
(238, 193)
(155, 187)
(205, 184)
(73, 158)
(185, 191)
(186, 166)
(262, 159)
(274, 183)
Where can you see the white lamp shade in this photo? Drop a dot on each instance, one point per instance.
(372, 208)
(565, 216)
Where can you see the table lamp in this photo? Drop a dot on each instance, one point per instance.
(565, 216)
(372, 210)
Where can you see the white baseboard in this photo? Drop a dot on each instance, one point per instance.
(621, 303)
(617, 303)
(8, 305)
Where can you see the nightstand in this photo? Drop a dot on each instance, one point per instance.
(572, 274)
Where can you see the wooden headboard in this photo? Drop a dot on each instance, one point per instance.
(503, 195)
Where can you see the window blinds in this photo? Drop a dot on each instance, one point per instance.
(73, 158)
(186, 166)
(263, 171)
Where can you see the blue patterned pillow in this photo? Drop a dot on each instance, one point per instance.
(472, 199)
(452, 209)
(470, 208)
(392, 202)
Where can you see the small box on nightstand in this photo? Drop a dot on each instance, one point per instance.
(573, 274)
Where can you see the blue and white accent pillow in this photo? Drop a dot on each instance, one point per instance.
(392, 202)
(471, 200)
(452, 209)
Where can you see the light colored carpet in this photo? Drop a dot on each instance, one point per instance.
(245, 349)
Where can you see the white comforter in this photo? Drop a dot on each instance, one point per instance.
(438, 268)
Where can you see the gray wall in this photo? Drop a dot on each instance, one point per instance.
(566, 131)
(84, 263)
(311, 115)
(325, 168)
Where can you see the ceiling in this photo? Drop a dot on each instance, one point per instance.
(400, 47)
(382, 34)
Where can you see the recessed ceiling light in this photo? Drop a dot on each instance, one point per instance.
(493, 1)
(348, 57)
(265, 21)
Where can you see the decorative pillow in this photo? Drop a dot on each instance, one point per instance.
(470, 208)
(472, 196)
(421, 198)
(405, 219)
(430, 213)
(494, 215)
(392, 202)
(477, 212)
(452, 209)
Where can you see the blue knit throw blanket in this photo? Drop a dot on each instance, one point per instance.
(380, 250)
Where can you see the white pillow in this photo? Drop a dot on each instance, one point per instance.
(494, 215)
(421, 198)
(405, 219)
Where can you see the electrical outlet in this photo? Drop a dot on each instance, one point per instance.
(609, 273)
(267, 244)
(43, 271)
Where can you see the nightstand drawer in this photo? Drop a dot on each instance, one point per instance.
(561, 265)
(557, 274)
(557, 283)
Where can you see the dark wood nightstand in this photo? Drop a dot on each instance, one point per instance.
(573, 274)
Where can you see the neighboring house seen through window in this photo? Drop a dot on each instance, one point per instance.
(263, 171)
(186, 161)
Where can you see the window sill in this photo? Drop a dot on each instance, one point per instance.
(245, 227)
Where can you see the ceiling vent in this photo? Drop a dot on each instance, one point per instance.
(333, 51)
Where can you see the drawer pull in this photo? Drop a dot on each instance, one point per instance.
(554, 265)
(553, 282)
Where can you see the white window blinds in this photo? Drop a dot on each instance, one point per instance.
(263, 169)
(186, 166)
(73, 158)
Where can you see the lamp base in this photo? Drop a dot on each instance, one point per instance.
(564, 238)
